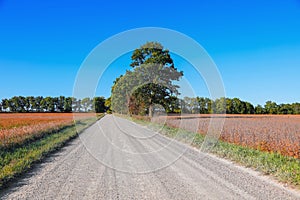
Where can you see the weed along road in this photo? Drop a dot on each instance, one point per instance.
(118, 159)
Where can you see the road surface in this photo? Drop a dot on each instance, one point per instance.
(118, 159)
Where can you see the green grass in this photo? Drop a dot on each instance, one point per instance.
(283, 168)
(17, 160)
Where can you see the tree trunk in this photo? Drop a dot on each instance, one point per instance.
(151, 110)
(128, 104)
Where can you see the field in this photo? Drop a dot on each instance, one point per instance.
(17, 128)
(271, 133)
(28, 138)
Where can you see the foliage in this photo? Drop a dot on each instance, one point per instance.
(171, 103)
(99, 104)
(62, 104)
(149, 83)
(223, 105)
(151, 53)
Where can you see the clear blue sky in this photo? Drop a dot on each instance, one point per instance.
(255, 44)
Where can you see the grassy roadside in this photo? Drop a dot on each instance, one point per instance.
(283, 168)
(15, 161)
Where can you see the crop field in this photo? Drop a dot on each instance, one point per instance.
(16, 128)
(271, 133)
(28, 137)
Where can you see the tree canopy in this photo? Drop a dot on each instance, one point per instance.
(149, 83)
(151, 52)
(52, 104)
(173, 104)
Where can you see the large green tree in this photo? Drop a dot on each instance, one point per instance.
(149, 53)
(149, 83)
(99, 104)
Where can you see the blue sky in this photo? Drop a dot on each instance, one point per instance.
(255, 44)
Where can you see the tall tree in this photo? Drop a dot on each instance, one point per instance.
(99, 104)
(151, 81)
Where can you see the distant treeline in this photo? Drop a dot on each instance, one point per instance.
(52, 104)
(235, 106)
(186, 105)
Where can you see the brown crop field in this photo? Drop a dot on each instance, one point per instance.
(272, 133)
(18, 127)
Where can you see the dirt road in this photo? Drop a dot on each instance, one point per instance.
(117, 159)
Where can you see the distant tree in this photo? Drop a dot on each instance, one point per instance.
(76, 104)
(229, 106)
(213, 109)
(285, 109)
(55, 101)
(61, 104)
(209, 105)
(107, 104)
(202, 105)
(259, 109)
(249, 108)
(237, 106)
(99, 104)
(47, 104)
(27, 104)
(173, 105)
(296, 108)
(86, 104)
(195, 107)
(68, 104)
(5, 104)
(220, 105)
(14, 104)
(271, 107)
(183, 106)
(37, 104)
(188, 107)
(19, 103)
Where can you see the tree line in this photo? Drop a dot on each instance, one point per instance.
(62, 104)
(188, 105)
(234, 106)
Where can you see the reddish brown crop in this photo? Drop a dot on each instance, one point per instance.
(272, 133)
(15, 128)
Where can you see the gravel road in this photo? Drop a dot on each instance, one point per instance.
(118, 159)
